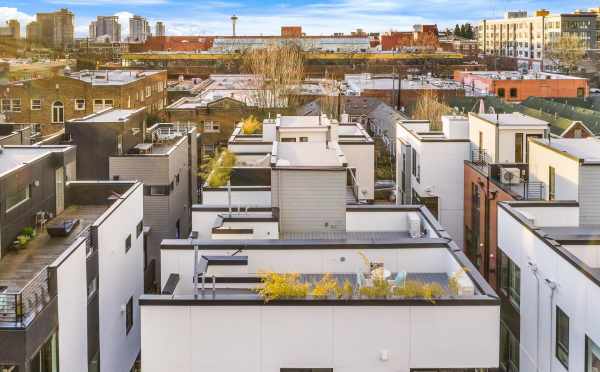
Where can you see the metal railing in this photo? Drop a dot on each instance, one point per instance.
(480, 157)
(533, 191)
(20, 307)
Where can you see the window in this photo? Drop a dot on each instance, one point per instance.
(58, 113)
(562, 337)
(578, 133)
(518, 147)
(212, 127)
(551, 183)
(129, 315)
(509, 279)
(501, 92)
(139, 228)
(148, 91)
(5, 105)
(513, 93)
(580, 92)
(14, 199)
(156, 190)
(592, 356)
(36, 104)
(287, 139)
(46, 359)
(303, 139)
(177, 180)
(414, 162)
(509, 350)
(16, 105)
(79, 104)
(128, 243)
(101, 104)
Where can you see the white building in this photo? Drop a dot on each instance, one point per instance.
(503, 138)
(106, 27)
(297, 145)
(218, 321)
(550, 288)
(568, 169)
(160, 29)
(430, 169)
(139, 29)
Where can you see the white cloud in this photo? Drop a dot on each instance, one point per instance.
(13, 13)
(124, 21)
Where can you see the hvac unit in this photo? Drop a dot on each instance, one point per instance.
(510, 176)
(414, 225)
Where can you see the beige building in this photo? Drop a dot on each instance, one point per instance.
(55, 29)
(11, 30)
(527, 37)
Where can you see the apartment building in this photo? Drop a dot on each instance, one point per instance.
(107, 28)
(514, 86)
(217, 275)
(52, 101)
(527, 38)
(139, 29)
(567, 169)
(53, 30)
(71, 265)
(166, 162)
(10, 31)
(549, 286)
(338, 157)
(160, 29)
(429, 169)
(496, 171)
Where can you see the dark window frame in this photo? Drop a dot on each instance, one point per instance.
(139, 228)
(551, 183)
(129, 315)
(561, 351)
(128, 243)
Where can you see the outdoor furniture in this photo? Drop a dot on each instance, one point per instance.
(400, 279)
(360, 279)
(40, 219)
(62, 228)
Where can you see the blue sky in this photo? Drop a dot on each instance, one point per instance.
(210, 17)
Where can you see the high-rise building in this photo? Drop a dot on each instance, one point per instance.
(160, 29)
(55, 29)
(139, 29)
(527, 38)
(106, 26)
(92, 32)
(12, 30)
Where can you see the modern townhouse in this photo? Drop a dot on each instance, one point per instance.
(549, 286)
(116, 144)
(300, 146)
(569, 169)
(217, 300)
(166, 162)
(52, 101)
(429, 168)
(496, 171)
(71, 265)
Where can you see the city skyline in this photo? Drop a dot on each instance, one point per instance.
(212, 18)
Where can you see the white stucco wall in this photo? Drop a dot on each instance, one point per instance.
(576, 295)
(345, 338)
(120, 277)
(362, 157)
(72, 307)
(238, 197)
(566, 171)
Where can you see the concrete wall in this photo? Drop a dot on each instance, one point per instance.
(362, 157)
(238, 197)
(567, 171)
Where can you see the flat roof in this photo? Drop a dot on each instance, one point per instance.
(110, 115)
(12, 157)
(18, 268)
(307, 154)
(360, 82)
(585, 149)
(112, 77)
(516, 119)
(517, 75)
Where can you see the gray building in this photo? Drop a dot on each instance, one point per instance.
(106, 26)
(60, 256)
(139, 29)
(166, 162)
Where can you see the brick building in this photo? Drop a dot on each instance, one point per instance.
(54, 100)
(516, 86)
(457, 44)
(422, 37)
(53, 30)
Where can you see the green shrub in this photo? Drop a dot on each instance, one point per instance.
(282, 286)
(28, 231)
(23, 240)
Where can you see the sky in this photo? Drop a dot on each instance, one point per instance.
(256, 17)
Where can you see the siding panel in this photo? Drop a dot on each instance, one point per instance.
(589, 195)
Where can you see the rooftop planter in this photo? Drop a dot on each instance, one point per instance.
(217, 170)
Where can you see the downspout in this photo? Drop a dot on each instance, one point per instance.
(552, 286)
(535, 272)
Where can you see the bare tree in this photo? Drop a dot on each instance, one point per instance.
(430, 107)
(566, 52)
(277, 69)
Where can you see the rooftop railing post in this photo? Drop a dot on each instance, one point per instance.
(214, 280)
(194, 236)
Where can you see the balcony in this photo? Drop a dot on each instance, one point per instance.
(514, 179)
(480, 157)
